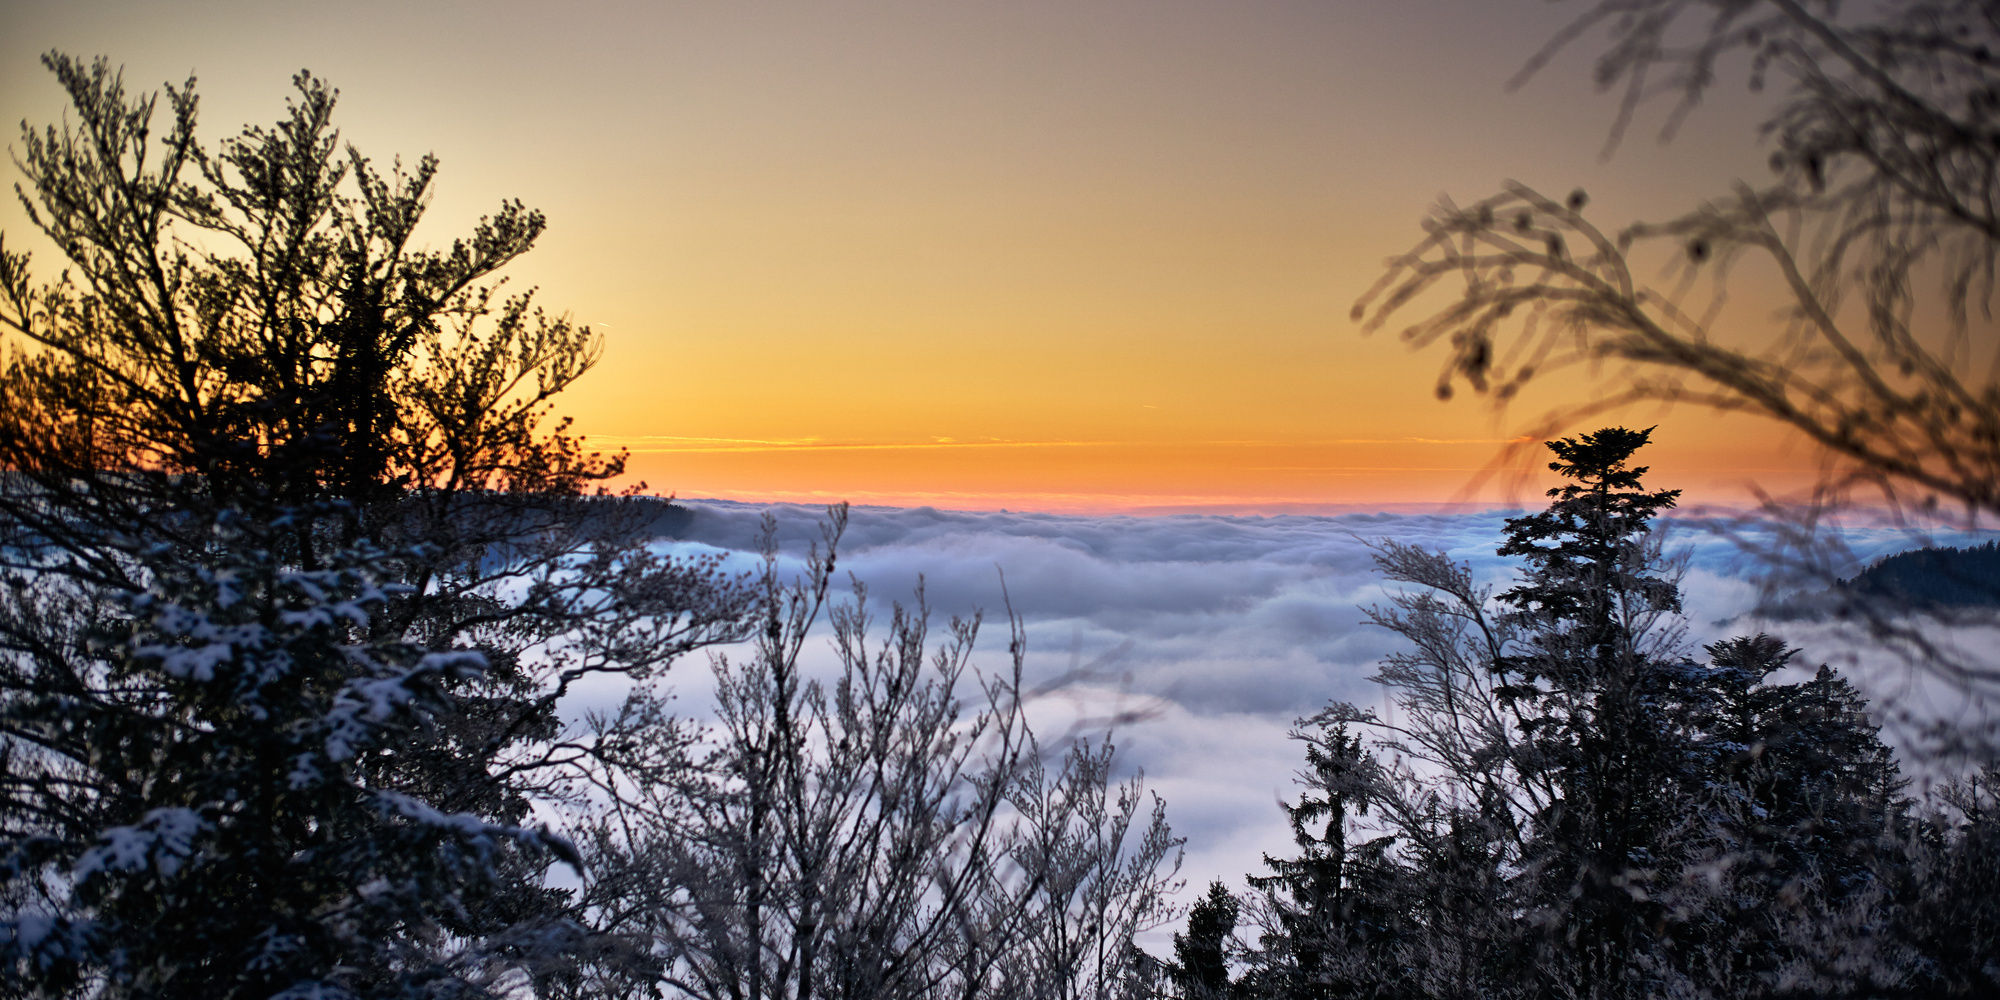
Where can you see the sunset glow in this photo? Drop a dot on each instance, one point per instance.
(1053, 256)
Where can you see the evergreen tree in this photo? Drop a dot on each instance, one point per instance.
(239, 713)
(1824, 785)
(1585, 695)
(1201, 955)
(295, 572)
(1335, 908)
(1593, 813)
(1804, 797)
(1591, 583)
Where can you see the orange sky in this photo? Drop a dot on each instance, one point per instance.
(1054, 255)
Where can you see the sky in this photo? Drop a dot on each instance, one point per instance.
(1041, 255)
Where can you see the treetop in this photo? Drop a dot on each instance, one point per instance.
(1597, 459)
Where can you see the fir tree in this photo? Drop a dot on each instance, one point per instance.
(1583, 692)
(1201, 956)
(296, 572)
(1334, 907)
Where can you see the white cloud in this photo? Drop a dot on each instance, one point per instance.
(1228, 628)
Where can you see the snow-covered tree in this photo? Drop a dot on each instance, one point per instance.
(880, 832)
(1946, 890)
(1200, 968)
(190, 811)
(1334, 914)
(296, 570)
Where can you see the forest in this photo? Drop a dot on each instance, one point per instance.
(300, 573)
(1565, 805)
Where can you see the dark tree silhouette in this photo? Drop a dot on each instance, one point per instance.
(1590, 574)
(1333, 914)
(1201, 956)
(1570, 805)
(1591, 591)
(1877, 232)
(1880, 226)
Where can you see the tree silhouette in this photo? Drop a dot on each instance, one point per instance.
(1583, 692)
(1878, 233)
(1880, 226)
(1566, 803)
(1201, 956)
(1333, 914)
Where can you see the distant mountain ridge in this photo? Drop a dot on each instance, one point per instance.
(1934, 577)
(1930, 579)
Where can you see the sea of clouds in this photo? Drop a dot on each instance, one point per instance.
(1207, 636)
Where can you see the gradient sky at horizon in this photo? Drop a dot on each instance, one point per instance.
(1064, 256)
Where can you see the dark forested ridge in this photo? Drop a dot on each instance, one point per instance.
(658, 517)
(1933, 579)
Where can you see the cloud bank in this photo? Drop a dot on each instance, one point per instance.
(1223, 629)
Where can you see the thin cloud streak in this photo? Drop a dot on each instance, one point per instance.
(643, 445)
(1099, 504)
(671, 444)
